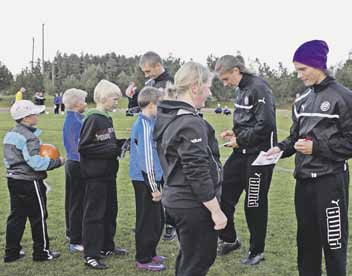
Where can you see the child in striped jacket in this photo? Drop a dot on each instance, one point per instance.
(146, 175)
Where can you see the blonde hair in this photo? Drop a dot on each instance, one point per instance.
(106, 89)
(191, 73)
(73, 96)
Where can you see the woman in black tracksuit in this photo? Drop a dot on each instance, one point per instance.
(189, 156)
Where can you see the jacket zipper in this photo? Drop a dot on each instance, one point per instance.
(217, 165)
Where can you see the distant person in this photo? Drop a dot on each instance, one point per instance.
(321, 139)
(62, 105)
(146, 175)
(26, 170)
(227, 111)
(218, 109)
(39, 98)
(75, 102)
(19, 94)
(57, 102)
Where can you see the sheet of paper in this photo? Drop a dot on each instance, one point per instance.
(263, 160)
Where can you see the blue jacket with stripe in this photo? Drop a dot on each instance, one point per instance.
(21, 154)
(144, 162)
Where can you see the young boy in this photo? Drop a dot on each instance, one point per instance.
(26, 170)
(75, 102)
(146, 175)
(99, 150)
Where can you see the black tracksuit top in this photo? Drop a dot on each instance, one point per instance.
(322, 114)
(98, 146)
(189, 156)
(254, 117)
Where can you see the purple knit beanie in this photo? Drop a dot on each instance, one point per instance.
(312, 53)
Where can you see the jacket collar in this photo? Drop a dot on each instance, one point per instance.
(36, 131)
(323, 85)
(246, 78)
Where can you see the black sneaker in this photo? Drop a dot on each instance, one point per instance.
(51, 255)
(9, 259)
(94, 263)
(170, 233)
(226, 247)
(253, 259)
(118, 251)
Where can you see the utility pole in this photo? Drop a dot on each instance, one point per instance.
(43, 48)
(53, 73)
(32, 62)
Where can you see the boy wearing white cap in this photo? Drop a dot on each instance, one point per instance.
(26, 170)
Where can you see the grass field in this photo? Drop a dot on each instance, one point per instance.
(280, 244)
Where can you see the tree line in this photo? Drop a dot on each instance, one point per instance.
(84, 71)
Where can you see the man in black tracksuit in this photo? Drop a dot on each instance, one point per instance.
(321, 138)
(254, 130)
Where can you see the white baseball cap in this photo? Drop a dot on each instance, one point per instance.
(24, 108)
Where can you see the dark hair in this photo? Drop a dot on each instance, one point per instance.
(149, 95)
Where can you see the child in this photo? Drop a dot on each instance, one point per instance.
(227, 111)
(218, 109)
(146, 174)
(99, 149)
(75, 102)
(26, 170)
(57, 102)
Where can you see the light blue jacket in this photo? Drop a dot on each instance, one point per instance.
(144, 162)
(21, 154)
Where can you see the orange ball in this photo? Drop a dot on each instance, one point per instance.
(48, 150)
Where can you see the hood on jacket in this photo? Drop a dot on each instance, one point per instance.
(96, 111)
(168, 111)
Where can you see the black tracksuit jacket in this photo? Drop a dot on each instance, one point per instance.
(322, 114)
(159, 82)
(98, 146)
(189, 156)
(254, 117)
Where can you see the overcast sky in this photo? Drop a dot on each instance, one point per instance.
(268, 29)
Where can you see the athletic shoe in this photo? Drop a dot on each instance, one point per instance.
(226, 247)
(94, 263)
(118, 251)
(47, 257)
(150, 266)
(9, 259)
(73, 248)
(170, 233)
(158, 259)
(253, 259)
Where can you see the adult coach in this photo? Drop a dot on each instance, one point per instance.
(254, 130)
(321, 138)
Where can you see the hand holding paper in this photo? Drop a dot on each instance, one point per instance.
(264, 158)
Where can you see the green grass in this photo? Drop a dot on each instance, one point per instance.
(280, 244)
